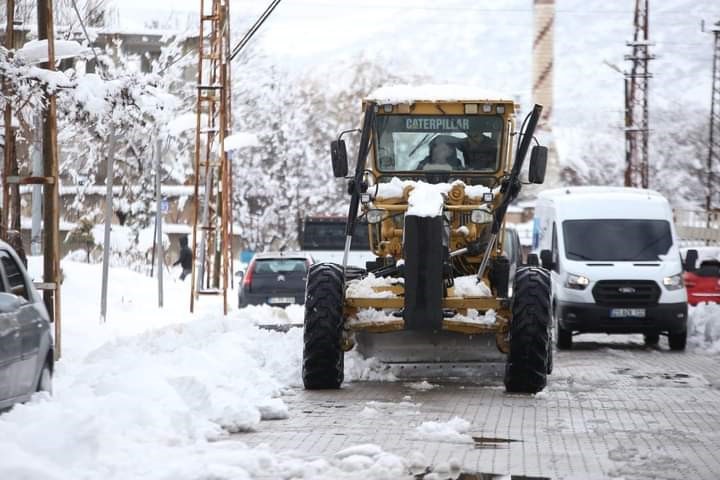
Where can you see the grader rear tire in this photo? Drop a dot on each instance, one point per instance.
(529, 336)
(323, 357)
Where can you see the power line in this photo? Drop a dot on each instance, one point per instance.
(258, 23)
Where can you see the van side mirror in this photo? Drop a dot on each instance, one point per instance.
(538, 164)
(690, 260)
(338, 153)
(546, 260)
(532, 260)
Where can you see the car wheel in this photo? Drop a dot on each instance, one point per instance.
(45, 380)
(651, 339)
(677, 341)
(564, 338)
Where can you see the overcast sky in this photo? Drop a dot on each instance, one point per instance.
(483, 42)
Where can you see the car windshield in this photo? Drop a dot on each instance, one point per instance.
(280, 265)
(407, 143)
(616, 240)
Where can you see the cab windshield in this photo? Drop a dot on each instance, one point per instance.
(411, 143)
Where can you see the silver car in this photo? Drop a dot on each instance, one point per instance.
(26, 344)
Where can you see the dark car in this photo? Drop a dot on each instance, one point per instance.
(276, 279)
(26, 344)
(703, 283)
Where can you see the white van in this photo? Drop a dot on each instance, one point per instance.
(615, 264)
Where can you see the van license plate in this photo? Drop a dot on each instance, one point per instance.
(281, 300)
(627, 312)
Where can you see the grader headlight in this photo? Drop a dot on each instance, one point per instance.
(375, 215)
(481, 216)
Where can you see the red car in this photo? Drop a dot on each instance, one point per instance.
(703, 284)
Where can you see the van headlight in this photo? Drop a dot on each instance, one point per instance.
(577, 282)
(674, 282)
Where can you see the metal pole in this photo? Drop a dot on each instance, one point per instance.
(714, 147)
(37, 165)
(108, 222)
(158, 223)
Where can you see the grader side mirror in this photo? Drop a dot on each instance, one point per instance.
(532, 260)
(546, 259)
(538, 163)
(338, 153)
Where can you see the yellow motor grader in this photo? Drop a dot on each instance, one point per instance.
(434, 176)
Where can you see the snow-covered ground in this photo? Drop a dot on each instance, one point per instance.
(150, 393)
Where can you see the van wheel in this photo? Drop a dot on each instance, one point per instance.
(677, 341)
(45, 380)
(651, 339)
(564, 338)
(527, 363)
(323, 357)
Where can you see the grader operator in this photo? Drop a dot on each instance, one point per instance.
(433, 178)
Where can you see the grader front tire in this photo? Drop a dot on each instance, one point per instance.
(529, 336)
(323, 357)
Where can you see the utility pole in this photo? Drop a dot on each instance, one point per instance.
(108, 226)
(158, 221)
(51, 245)
(714, 144)
(636, 101)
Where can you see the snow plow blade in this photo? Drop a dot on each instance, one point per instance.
(440, 354)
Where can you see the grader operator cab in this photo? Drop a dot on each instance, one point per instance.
(434, 177)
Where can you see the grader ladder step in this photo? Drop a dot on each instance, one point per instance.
(209, 87)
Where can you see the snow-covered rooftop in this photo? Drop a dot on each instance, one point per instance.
(434, 93)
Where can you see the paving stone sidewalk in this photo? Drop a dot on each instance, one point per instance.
(612, 409)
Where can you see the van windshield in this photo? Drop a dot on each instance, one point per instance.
(616, 240)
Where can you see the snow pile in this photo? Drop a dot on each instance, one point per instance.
(364, 287)
(473, 316)
(265, 315)
(477, 191)
(468, 286)
(395, 188)
(410, 93)
(121, 237)
(359, 368)
(142, 395)
(372, 460)
(36, 51)
(704, 327)
(370, 315)
(453, 431)
(422, 386)
(427, 200)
